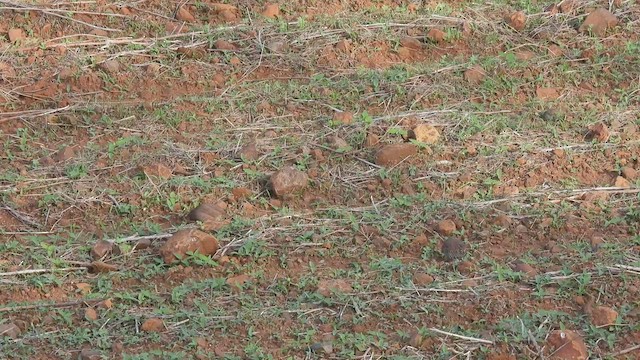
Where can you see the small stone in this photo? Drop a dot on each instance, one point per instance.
(327, 287)
(338, 143)
(110, 66)
(446, 227)
(16, 35)
(188, 241)
(103, 248)
(599, 132)
(224, 45)
(249, 152)
(465, 267)
(547, 94)
(622, 182)
(436, 35)
(516, 20)
(453, 249)
(271, 11)
(526, 269)
(89, 354)
(424, 133)
(629, 173)
(322, 347)
(157, 170)
(603, 316)
(391, 155)
(410, 43)
(184, 15)
(287, 181)
(91, 314)
(84, 288)
(152, 325)
(475, 75)
(422, 279)
(10, 330)
(343, 117)
(567, 345)
(598, 22)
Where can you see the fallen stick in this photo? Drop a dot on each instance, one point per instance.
(461, 336)
(53, 305)
(40, 271)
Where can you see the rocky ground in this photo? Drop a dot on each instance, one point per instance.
(320, 180)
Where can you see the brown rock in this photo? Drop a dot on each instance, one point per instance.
(327, 287)
(186, 241)
(424, 133)
(446, 227)
(475, 75)
(16, 34)
(598, 22)
(110, 66)
(547, 94)
(567, 345)
(103, 248)
(91, 314)
(453, 249)
(105, 304)
(599, 132)
(249, 152)
(465, 267)
(343, 117)
(422, 279)
(143, 244)
(89, 354)
(157, 170)
(516, 20)
(391, 155)
(10, 330)
(411, 43)
(152, 325)
(101, 267)
(184, 15)
(241, 192)
(503, 220)
(622, 182)
(338, 143)
(271, 11)
(629, 173)
(603, 316)
(287, 181)
(343, 46)
(526, 269)
(436, 35)
(224, 45)
(212, 215)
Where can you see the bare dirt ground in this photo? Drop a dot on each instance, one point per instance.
(320, 180)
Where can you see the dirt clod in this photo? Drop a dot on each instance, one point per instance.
(152, 325)
(224, 45)
(410, 42)
(425, 133)
(598, 22)
(436, 35)
(110, 66)
(90, 354)
(475, 75)
(238, 281)
(393, 154)
(287, 181)
(249, 152)
(271, 11)
(446, 227)
(453, 249)
(547, 94)
(10, 330)
(567, 345)
(343, 117)
(212, 215)
(629, 173)
(90, 314)
(184, 15)
(516, 20)
(603, 316)
(188, 241)
(598, 132)
(422, 279)
(327, 287)
(16, 34)
(103, 248)
(622, 182)
(526, 269)
(157, 170)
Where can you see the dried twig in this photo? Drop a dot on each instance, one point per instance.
(20, 7)
(40, 271)
(468, 338)
(52, 305)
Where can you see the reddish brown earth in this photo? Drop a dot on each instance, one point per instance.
(367, 179)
